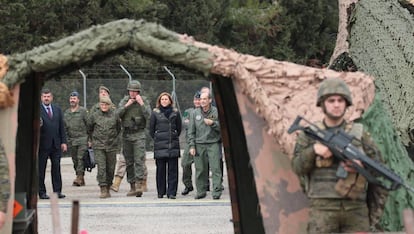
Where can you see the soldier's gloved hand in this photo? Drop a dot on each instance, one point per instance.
(322, 150)
(348, 165)
(192, 151)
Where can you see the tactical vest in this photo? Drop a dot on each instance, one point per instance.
(134, 118)
(321, 181)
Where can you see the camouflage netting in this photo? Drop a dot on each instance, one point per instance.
(6, 98)
(280, 90)
(381, 45)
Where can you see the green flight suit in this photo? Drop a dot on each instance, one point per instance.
(206, 140)
(187, 160)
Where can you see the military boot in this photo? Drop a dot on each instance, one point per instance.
(139, 188)
(132, 191)
(75, 182)
(144, 185)
(108, 189)
(104, 192)
(82, 177)
(116, 184)
(78, 181)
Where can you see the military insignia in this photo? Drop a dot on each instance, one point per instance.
(198, 117)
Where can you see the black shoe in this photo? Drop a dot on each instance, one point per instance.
(61, 195)
(216, 197)
(187, 190)
(44, 196)
(200, 196)
(160, 196)
(171, 196)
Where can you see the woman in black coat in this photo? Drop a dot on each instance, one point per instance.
(165, 129)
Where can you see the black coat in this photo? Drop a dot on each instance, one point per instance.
(52, 131)
(165, 132)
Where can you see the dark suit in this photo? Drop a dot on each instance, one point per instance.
(52, 135)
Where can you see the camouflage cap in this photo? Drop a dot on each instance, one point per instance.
(104, 88)
(333, 86)
(106, 100)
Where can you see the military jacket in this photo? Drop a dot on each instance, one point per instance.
(201, 133)
(134, 117)
(75, 126)
(303, 164)
(97, 107)
(104, 129)
(4, 179)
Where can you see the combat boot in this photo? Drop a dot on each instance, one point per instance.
(108, 189)
(116, 184)
(78, 181)
(75, 182)
(144, 185)
(82, 178)
(132, 191)
(104, 192)
(139, 188)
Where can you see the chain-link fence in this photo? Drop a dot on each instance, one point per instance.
(88, 90)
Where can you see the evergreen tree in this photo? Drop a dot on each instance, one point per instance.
(198, 18)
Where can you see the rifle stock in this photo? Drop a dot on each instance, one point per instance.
(340, 144)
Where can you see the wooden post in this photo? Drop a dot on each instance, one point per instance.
(75, 217)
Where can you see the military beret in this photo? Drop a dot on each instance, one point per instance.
(74, 94)
(104, 88)
(197, 94)
(105, 99)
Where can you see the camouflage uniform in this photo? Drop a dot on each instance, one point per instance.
(104, 128)
(134, 120)
(4, 179)
(206, 140)
(331, 212)
(75, 126)
(97, 108)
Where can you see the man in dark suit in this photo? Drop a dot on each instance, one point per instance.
(52, 143)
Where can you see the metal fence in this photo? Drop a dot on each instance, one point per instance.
(88, 90)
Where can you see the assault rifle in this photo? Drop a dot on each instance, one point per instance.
(340, 144)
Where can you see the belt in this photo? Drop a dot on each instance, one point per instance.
(131, 130)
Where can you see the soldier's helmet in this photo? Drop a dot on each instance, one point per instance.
(134, 85)
(333, 86)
